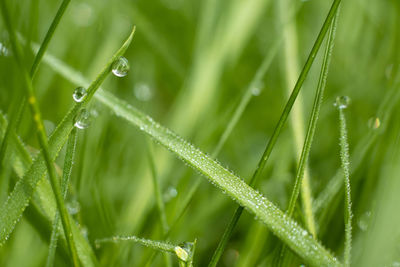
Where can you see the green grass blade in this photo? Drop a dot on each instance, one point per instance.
(157, 189)
(157, 245)
(47, 38)
(67, 170)
(36, 116)
(23, 190)
(272, 141)
(344, 157)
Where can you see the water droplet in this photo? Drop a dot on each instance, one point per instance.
(374, 123)
(256, 90)
(170, 193)
(79, 94)
(73, 207)
(143, 92)
(120, 67)
(181, 253)
(342, 102)
(364, 220)
(83, 119)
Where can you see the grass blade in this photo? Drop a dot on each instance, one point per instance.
(344, 157)
(47, 38)
(271, 143)
(23, 190)
(36, 116)
(67, 170)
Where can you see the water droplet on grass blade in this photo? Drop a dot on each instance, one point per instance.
(342, 102)
(83, 119)
(79, 94)
(120, 67)
(374, 123)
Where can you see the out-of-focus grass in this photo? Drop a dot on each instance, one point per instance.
(190, 65)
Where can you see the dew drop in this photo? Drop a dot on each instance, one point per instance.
(256, 91)
(374, 123)
(120, 67)
(364, 220)
(79, 94)
(143, 92)
(342, 102)
(170, 193)
(83, 119)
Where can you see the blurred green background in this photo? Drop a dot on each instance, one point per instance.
(191, 62)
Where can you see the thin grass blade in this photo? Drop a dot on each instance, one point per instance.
(67, 170)
(345, 161)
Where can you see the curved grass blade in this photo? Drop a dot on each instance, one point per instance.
(36, 116)
(344, 157)
(23, 190)
(272, 141)
(67, 170)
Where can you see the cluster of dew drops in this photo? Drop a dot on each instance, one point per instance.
(119, 68)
